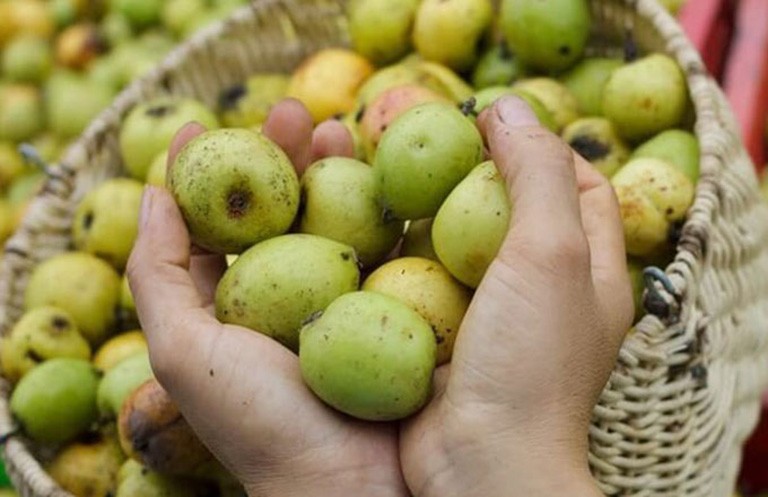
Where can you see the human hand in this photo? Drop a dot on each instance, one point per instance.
(511, 411)
(241, 391)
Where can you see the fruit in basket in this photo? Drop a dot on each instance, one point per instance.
(549, 35)
(11, 164)
(472, 223)
(370, 356)
(56, 401)
(149, 128)
(339, 203)
(234, 188)
(276, 285)
(79, 45)
(487, 96)
(156, 175)
(675, 146)
(498, 66)
(380, 30)
(587, 80)
(417, 240)
(119, 347)
(107, 220)
(41, 334)
(27, 59)
(177, 15)
(88, 469)
(652, 196)
(92, 97)
(449, 31)
(389, 77)
(120, 381)
(429, 289)
(116, 28)
(645, 97)
(596, 139)
(24, 16)
(246, 105)
(422, 156)
(327, 82)
(140, 13)
(21, 112)
(135, 480)
(440, 78)
(81, 284)
(554, 96)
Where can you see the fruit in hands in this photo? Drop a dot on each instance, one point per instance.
(88, 469)
(120, 380)
(675, 146)
(472, 223)
(27, 59)
(498, 66)
(380, 30)
(21, 112)
(370, 356)
(56, 401)
(41, 334)
(135, 480)
(488, 96)
(158, 169)
(652, 196)
(327, 82)
(417, 241)
(339, 197)
(448, 31)
(119, 347)
(234, 188)
(549, 35)
(422, 156)
(276, 285)
(587, 80)
(596, 139)
(92, 97)
(149, 128)
(554, 96)
(247, 105)
(107, 220)
(646, 97)
(429, 289)
(84, 286)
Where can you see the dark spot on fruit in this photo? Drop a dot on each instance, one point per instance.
(670, 211)
(359, 114)
(383, 128)
(228, 99)
(346, 256)
(590, 148)
(60, 323)
(410, 336)
(498, 213)
(160, 110)
(238, 202)
(96, 43)
(384, 320)
(439, 339)
(88, 220)
(338, 116)
(34, 356)
(564, 50)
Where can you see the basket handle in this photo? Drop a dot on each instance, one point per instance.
(661, 297)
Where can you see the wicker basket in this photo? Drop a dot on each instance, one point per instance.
(685, 391)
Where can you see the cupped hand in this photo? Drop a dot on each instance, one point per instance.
(511, 411)
(241, 391)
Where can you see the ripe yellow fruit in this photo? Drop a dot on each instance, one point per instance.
(118, 348)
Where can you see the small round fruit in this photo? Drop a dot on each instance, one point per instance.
(244, 106)
(596, 139)
(118, 348)
(120, 380)
(676, 146)
(497, 67)
(88, 468)
(587, 80)
(27, 59)
(79, 45)
(21, 112)
(381, 29)
(555, 97)
(92, 97)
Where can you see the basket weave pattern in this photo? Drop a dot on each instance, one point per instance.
(685, 392)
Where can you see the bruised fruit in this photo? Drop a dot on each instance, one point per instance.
(149, 128)
(422, 156)
(595, 139)
(243, 106)
(84, 286)
(587, 80)
(675, 146)
(135, 480)
(234, 188)
(120, 380)
(497, 67)
(88, 469)
(646, 97)
(370, 356)
(158, 169)
(472, 224)
(549, 35)
(107, 220)
(429, 289)
(554, 96)
(118, 348)
(56, 401)
(276, 285)
(417, 241)
(380, 30)
(339, 196)
(79, 45)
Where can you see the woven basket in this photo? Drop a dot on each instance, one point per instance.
(685, 392)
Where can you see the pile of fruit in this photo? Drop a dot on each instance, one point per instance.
(362, 266)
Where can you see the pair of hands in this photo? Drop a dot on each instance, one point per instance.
(510, 413)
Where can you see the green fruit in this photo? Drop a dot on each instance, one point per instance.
(497, 67)
(472, 224)
(488, 96)
(646, 97)
(107, 220)
(140, 13)
(92, 97)
(549, 35)
(177, 14)
(25, 187)
(21, 112)
(156, 174)
(380, 30)
(596, 139)
(126, 297)
(554, 96)
(27, 59)
(243, 106)
(41, 334)
(134, 480)
(235, 188)
(11, 164)
(587, 80)
(116, 28)
(422, 156)
(275, 286)
(429, 289)
(120, 381)
(339, 197)
(56, 401)
(448, 31)
(370, 356)
(81, 284)
(106, 72)
(652, 195)
(149, 128)
(677, 147)
(417, 241)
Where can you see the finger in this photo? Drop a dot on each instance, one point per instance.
(331, 139)
(206, 270)
(184, 135)
(290, 125)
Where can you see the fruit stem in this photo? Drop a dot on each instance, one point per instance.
(468, 107)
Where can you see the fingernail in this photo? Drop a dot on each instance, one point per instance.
(146, 206)
(514, 111)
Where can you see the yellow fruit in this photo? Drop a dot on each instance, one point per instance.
(118, 348)
(88, 469)
(555, 97)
